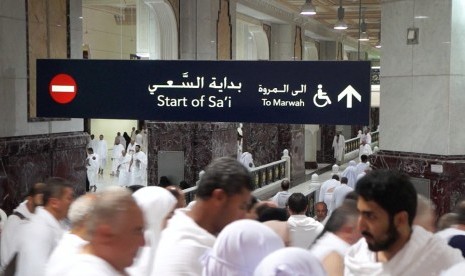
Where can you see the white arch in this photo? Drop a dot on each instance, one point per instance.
(157, 33)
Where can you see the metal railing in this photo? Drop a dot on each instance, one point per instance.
(261, 176)
(352, 145)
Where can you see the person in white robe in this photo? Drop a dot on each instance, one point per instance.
(363, 165)
(73, 241)
(133, 133)
(117, 152)
(365, 149)
(102, 151)
(290, 261)
(131, 147)
(280, 198)
(247, 160)
(139, 138)
(368, 136)
(115, 230)
(145, 141)
(191, 233)
(303, 229)
(124, 176)
(327, 189)
(16, 221)
(92, 167)
(240, 247)
(390, 245)
(339, 234)
(157, 205)
(93, 142)
(41, 235)
(339, 194)
(339, 144)
(351, 173)
(138, 168)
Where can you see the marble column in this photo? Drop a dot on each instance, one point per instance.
(422, 97)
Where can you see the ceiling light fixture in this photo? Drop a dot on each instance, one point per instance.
(308, 8)
(363, 28)
(340, 24)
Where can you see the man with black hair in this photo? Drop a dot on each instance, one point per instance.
(339, 194)
(303, 229)
(390, 245)
(362, 166)
(223, 195)
(20, 216)
(281, 197)
(40, 236)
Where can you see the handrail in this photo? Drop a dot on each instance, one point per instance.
(261, 175)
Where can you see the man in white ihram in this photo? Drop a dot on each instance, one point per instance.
(339, 144)
(115, 157)
(138, 168)
(101, 151)
(92, 166)
(124, 176)
(387, 203)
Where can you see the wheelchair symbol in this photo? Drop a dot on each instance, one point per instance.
(320, 95)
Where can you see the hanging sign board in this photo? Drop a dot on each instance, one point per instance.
(294, 92)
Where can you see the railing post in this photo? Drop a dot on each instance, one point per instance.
(288, 163)
(335, 169)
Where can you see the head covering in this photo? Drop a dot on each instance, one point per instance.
(240, 247)
(156, 203)
(290, 261)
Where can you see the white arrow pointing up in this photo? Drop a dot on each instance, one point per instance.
(349, 92)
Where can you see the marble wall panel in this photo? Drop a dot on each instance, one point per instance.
(446, 188)
(29, 159)
(200, 142)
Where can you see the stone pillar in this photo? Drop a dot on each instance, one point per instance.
(422, 96)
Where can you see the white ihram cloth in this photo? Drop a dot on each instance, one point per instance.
(351, 174)
(64, 254)
(327, 244)
(102, 151)
(92, 165)
(364, 150)
(156, 203)
(338, 146)
(456, 270)
(361, 167)
(10, 232)
(424, 254)
(280, 198)
(240, 247)
(124, 175)
(181, 246)
(326, 191)
(115, 157)
(39, 237)
(290, 261)
(303, 230)
(339, 195)
(139, 169)
(91, 265)
(131, 148)
(448, 233)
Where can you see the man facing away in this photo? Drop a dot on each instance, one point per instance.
(281, 197)
(72, 242)
(115, 231)
(339, 234)
(117, 152)
(339, 194)
(387, 204)
(20, 216)
(327, 189)
(223, 194)
(40, 236)
(92, 166)
(303, 229)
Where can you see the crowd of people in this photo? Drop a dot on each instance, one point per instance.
(128, 159)
(379, 227)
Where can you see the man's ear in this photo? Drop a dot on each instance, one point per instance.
(401, 219)
(219, 195)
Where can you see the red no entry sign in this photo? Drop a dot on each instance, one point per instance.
(63, 88)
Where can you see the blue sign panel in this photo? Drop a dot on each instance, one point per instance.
(294, 92)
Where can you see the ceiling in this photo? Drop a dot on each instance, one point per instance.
(327, 15)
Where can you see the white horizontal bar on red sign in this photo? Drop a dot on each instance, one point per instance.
(63, 88)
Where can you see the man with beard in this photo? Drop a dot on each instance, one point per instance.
(387, 204)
